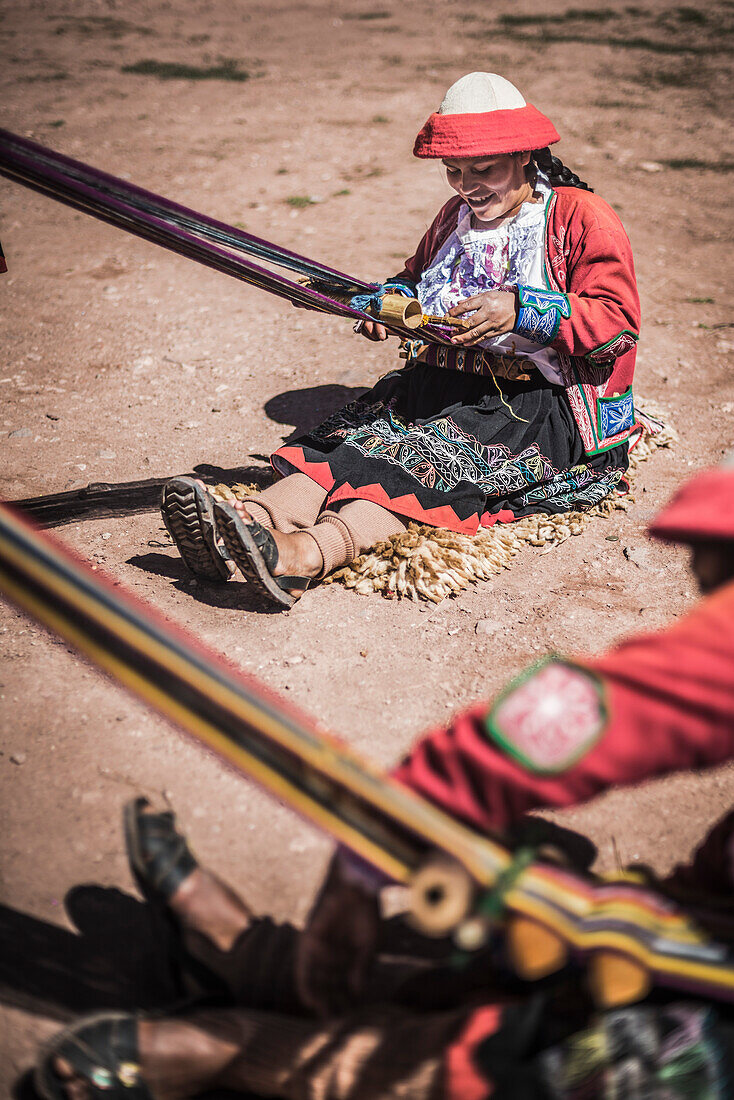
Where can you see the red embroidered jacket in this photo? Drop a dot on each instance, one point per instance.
(653, 704)
(589, 311)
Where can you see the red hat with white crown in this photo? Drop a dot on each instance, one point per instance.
(702, 510)
(482, 114)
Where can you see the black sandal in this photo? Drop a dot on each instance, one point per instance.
(189, 518)
(102, 1049)
(160, 860)
(253, 549)
(159, 857)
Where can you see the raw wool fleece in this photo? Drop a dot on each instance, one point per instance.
(430, 563)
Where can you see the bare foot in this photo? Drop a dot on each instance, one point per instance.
(298, 556)
(177, 1061)
(298, 553)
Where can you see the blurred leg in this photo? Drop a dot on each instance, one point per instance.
(378, 1054)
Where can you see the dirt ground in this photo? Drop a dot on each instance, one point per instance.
(121, 361)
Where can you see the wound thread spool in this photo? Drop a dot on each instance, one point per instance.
(441, 897)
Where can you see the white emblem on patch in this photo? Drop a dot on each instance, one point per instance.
(550, 718)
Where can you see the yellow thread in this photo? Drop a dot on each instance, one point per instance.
(507, 405)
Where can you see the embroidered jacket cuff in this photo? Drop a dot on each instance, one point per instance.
(539, 314)
(401, 286)
(620, 344)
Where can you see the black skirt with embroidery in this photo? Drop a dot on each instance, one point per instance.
(456, 450)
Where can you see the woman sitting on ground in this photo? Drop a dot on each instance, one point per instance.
(529, 410)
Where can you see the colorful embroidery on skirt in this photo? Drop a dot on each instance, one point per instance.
(579, 487)
(354, 415)
(440, 455)
(639, 1052)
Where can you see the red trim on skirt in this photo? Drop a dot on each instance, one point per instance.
(407, 505)
(320, 472)
(464, 1081)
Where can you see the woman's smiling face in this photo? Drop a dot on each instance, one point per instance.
(491, 186)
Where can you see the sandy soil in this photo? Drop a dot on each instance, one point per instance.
(121, 361)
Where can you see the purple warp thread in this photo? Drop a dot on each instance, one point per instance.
(153, 218)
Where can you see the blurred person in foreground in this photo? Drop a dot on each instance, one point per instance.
(331, 1013)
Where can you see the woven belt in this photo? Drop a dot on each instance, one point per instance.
(476, 361)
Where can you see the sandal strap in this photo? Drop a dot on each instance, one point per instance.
(267, 546)
(286, 583)
(103, 1050)
(168, 870)
(161, 856)
(265, 543)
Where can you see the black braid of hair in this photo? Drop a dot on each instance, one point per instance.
(556, 171)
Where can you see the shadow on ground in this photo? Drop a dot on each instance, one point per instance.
(102, 500)
(233, 594)
(307, 408)
(113, 960)
(116, 959)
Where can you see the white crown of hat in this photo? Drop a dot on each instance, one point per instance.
(477, 93)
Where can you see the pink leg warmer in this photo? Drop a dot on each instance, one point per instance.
(343, 535)
(291, 504)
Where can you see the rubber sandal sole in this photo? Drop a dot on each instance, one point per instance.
(189, 519)
(246, 554)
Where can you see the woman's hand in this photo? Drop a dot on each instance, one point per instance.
(373, 330)
(337, 946)
(493, 314)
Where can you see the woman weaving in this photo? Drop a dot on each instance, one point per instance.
(528, 410)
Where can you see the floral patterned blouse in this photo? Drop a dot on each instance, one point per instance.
(473, 261)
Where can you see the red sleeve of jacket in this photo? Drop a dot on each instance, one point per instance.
(437, 232)
(600, 279)
(3, 265)
(670, 705)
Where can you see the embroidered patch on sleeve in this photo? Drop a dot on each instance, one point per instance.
(550, 717)
(610, 351)
(616, 414)
(540, 313)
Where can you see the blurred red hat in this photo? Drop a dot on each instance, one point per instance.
(702, 509)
